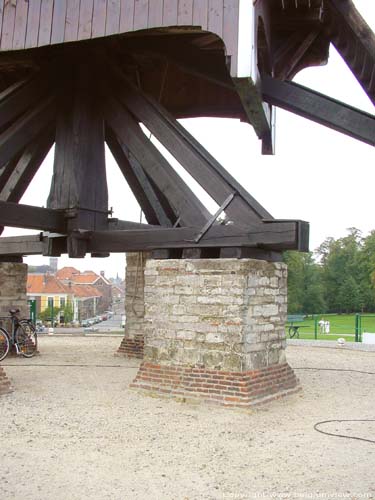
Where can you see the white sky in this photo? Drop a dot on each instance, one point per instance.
(317, 175)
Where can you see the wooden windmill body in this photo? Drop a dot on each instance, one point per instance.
(80, 74)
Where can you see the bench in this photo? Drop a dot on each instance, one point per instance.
(293, 329)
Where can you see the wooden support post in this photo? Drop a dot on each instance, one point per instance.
(79, 181)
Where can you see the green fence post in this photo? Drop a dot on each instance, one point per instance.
(357, 327)
(316, 327)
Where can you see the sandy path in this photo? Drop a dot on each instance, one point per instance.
(78, 432)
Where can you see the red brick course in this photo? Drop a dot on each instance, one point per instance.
(4, 383)
(132, 347)
(240, 389)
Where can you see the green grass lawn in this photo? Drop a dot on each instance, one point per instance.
(341, 325)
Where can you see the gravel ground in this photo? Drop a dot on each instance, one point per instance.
(73, 430)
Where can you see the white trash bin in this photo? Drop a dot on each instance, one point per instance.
(368, 338)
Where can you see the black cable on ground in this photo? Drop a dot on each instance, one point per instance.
(332, 370)
(344, 435)
(329, 421)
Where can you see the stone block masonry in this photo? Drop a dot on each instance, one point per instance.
(133, 342)
(13, 280)
(215, 331)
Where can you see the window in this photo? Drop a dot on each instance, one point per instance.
(50, 301)
(62, 302)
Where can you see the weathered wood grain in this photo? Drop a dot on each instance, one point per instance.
(230, 31)
(25, 129)
(9, 17)
(20, 25)
(170, 12)
(141, 14)
(200, 13)
(85, 19)
(45, 27)
(58, 21)
(185, 12)
(155, 13)
(112, 24)
(138, 183)
(30, 217)
(26, 167)
(126, 16)
(21, 245)
(216, 181)
(216, 16)
(71, 20)
(129, 133)
(99, 18)
(33, 21)
(1, 15)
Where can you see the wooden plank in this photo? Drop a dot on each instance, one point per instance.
(18, 98)
(21, 245)
(19, 37)
(320, 108)
(185, 12)
(33, 21)
(216, 16)
(1, 16)
(138, 183)
(99, 18)
(200, 13)
(170, 12)
(25, 129)
(58, 21)
(112, 25)
(127, 16)
(30, 217)
(79, 179)
(155, 13)
(141, 14)
(193, 157)
(85, 19)
(124, 225)
(231, 30)
(71, 21)
(9, 17)
(7, 170)
(277, 236)
(129, 133)
(45, 28)
(26, 167)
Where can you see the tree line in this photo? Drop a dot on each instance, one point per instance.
(339, 277)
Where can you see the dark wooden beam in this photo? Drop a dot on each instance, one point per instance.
(276, 236)
(290, 54)
(25, 129)
(20, 97)
(30, 217)
(123, 225)
(26, 167)
(130, 135)
(320, 108)
(214, 179)
(138, 182)
(79, 180)
(21, 245)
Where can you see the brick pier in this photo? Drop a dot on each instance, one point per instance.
(215, 331)
(133, 342)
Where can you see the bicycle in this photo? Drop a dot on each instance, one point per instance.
(22, 336)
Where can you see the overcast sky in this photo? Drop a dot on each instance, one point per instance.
(317, 175)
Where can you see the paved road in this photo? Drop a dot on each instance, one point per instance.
(111, 325)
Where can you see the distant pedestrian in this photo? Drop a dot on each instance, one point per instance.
(321, 326)
(327, 327)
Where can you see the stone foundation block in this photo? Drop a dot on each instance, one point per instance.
(226, 343)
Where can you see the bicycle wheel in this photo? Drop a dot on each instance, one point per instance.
(4, 344)
(26, 338)
(292, 332)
